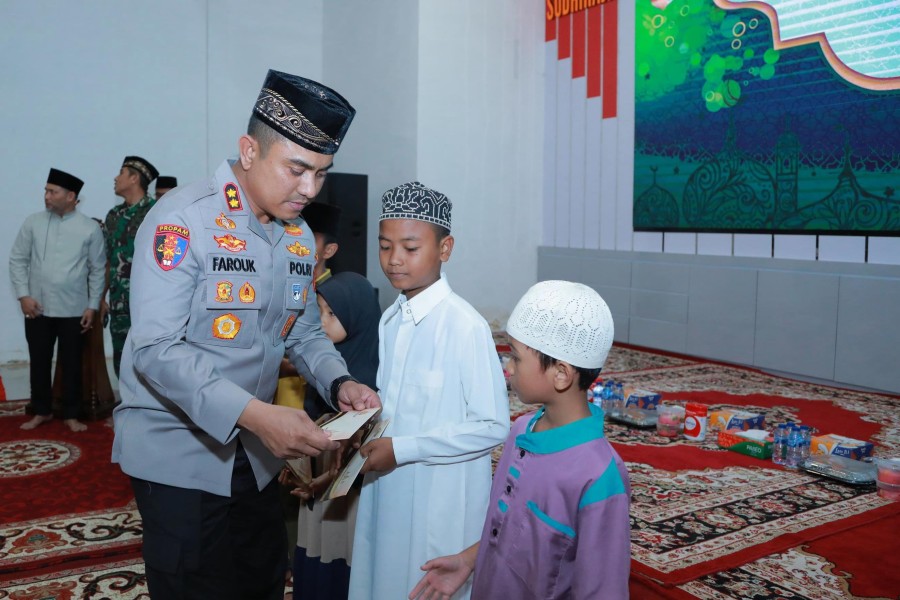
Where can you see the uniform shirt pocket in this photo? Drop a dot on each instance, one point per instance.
(223, 323)
(232, 328)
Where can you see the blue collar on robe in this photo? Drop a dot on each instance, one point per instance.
(561, 438)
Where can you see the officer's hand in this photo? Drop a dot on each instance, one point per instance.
(356, 396)
(287, 432)
(31, 308)
(87, 319)
(104, 312)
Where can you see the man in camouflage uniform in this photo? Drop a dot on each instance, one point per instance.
(121, 226)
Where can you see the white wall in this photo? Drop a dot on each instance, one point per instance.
(448, 93)
(85, 84)
(244, 41)
(370, 57)
(480, 140)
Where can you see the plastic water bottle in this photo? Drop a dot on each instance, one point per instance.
(794, 448)
(805, 441)
(610, 388)
(779, 443)
(603, 397)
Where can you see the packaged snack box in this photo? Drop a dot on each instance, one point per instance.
(642, 398)
(754, 442)
(735, 419)
(839, 445)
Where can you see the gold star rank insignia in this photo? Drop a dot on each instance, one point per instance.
(233, 197)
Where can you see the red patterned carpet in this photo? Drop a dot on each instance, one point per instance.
(709, 523)
(62, 503)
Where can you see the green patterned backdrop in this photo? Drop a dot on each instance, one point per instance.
(739, 129)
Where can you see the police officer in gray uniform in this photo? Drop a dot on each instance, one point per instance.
(221, 290)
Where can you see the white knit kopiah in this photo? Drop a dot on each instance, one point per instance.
(566, 321)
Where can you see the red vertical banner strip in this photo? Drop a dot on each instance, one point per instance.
(610, 57)
(550, 29)
(594, 49)
(564, 37)
(578, 54)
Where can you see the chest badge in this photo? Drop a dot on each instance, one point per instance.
(170, 245)
(233, 197)
(291, 229)
(247, 294)
(224, 222)
(287, 324)
(298, 249)
(223, 291)
(226, 327)
(230, 243)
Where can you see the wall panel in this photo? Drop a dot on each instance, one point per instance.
(837, 322)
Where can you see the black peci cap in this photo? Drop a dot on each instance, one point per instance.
(65, 180)
(141, 165)
(304, 111)
(166, 182)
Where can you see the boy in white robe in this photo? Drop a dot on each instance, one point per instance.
(428, 479)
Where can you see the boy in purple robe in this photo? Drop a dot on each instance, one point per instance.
(557, 524)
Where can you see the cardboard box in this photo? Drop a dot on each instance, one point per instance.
(755, 442)
(839, 445)
(642, 398)
(724, 419)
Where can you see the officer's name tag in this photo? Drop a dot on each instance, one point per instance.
(218, 263)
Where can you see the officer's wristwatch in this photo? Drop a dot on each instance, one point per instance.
(336, 386)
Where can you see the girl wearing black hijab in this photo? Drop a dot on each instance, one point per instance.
(350, 298)
(350, 315)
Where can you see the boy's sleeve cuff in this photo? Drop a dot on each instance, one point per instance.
(406, 449)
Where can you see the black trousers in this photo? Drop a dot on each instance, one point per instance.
(42, 334)
(202, 546)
